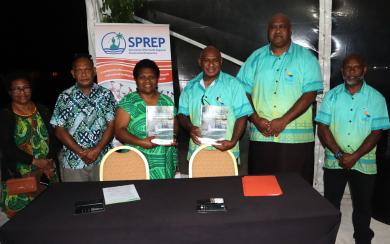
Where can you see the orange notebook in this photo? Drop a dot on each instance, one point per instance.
(264, 185)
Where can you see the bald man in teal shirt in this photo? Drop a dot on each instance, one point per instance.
(282, 80)
(212, 87)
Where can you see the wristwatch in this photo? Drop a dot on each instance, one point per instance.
(338, 154)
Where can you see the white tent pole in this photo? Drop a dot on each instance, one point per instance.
(324, 55)
(93, 16)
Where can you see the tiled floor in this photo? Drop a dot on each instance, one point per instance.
(382, 231)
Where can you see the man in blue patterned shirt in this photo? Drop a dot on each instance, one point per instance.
(83, 120)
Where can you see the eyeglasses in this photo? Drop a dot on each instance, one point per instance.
(80, 71)
(19, 89)
(204, 101)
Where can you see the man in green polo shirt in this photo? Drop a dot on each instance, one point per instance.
(350, 122)
(282, 80)
(212, 87)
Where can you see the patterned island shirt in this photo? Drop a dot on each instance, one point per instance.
(85, 118)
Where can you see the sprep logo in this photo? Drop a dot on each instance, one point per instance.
(113, 43)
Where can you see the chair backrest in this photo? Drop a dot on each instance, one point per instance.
(124, 163)
(212, 163)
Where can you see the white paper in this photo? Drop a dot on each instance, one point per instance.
(162, 142)
(209, 141)
(118, 194)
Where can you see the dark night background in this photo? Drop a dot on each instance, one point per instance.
(41, 37)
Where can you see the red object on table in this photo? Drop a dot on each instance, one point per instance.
(262, 185)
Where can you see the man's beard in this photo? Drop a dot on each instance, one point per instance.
(354, 81)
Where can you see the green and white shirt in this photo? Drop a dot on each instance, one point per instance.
(351, 118)
(276, 83)
(224, 91)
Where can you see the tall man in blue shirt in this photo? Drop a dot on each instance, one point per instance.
(351, 119)
(282, 80)
(216, 88)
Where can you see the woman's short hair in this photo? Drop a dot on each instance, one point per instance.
(146, 63)
(16, 76)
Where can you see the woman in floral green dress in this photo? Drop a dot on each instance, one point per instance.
(27, 142)
(130, 121)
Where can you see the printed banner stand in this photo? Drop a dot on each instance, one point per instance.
(120, 46)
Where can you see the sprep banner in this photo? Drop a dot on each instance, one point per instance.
(120, 46)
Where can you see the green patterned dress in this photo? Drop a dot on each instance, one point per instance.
(162, 159)
(32, 137)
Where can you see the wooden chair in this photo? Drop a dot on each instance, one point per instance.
(212, 163)
(124, 163)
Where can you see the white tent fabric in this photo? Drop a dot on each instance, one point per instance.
(93, 16)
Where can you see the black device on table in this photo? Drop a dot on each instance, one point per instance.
(84, 207)
(210, 205)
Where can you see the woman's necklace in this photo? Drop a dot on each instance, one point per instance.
(23, 113)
